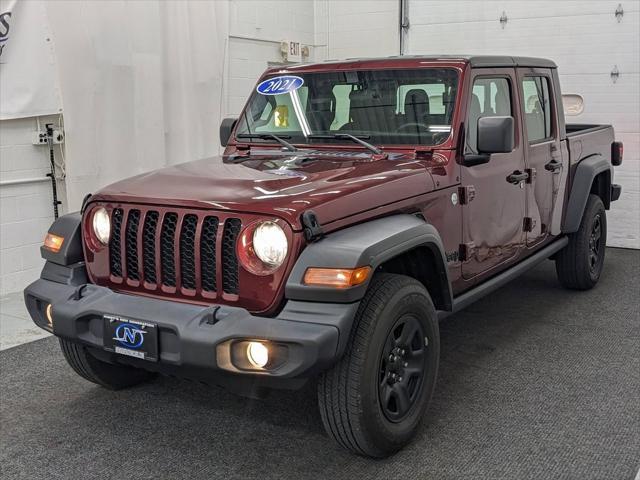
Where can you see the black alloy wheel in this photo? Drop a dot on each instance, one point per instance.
(402, 367)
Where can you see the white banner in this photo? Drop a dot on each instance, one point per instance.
(28, 77)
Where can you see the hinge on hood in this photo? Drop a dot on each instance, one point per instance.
(312, 228)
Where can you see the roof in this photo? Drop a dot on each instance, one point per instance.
(477, 61)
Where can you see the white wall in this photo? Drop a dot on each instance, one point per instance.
(26, 209)
(584, 38)
(256, 29)
(356, 28)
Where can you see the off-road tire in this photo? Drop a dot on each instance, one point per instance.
(348, 394)
(108, 375)
(574, 263)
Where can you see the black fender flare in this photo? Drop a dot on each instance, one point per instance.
(586, 171)
(367, 244)
(68, 227)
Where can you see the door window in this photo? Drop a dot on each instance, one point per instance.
(490, 97)
(537, 108)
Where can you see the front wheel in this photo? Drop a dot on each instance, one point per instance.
(373, 400)
(579, 264)
(108, 375)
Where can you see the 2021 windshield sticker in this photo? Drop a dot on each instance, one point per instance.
(279, 85)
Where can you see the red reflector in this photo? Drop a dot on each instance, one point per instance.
(617, 150)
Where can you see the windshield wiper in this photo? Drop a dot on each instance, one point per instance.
(270, 136)
(353, 138)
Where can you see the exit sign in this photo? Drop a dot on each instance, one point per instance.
(292, 51)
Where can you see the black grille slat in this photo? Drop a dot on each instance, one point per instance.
(167, 249)
(229, 257)
(131, 244)
(208, 254)
(115, 255)
(149, 246)
(188, 251)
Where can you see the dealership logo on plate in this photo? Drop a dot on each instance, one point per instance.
(280, 85)
(129, 335)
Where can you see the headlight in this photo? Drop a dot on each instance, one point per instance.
(263, 247)
(102, 225)
(270, 243)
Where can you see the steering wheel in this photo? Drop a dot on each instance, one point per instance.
(413, 126)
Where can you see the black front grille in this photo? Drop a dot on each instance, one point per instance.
(149, 246)
(208, 254)
(115, 255)
(167, 249)
(229, 257)
(187, 251)
(177, 250)
(131, 240)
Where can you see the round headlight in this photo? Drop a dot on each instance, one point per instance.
(270, 244)
(102, 225)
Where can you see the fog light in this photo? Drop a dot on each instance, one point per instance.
(48, 312)
(258, 354)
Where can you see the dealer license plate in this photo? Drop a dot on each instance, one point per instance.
(133, 338)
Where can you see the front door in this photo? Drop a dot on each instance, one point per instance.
(542, 150)
(494, 209)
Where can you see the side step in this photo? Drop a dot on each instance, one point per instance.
(488, 286)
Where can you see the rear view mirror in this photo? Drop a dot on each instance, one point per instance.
(496, 135)
(226, 127)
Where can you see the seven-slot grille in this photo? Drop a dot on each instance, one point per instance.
(174, 250)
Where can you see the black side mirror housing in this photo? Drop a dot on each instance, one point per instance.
(226, 127)
(495, 135)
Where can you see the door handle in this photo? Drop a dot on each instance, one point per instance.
(516, 177)
(553, 166)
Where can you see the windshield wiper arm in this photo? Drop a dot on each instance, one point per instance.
(353, 138)
(270, 136)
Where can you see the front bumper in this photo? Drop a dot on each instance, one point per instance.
(189, 335)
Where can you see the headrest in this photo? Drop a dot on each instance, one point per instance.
(416, 103)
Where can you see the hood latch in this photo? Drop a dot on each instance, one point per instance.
(312, 228)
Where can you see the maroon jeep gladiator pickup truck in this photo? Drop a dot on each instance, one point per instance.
(356, 204)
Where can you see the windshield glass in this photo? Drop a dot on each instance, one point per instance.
(381, 106)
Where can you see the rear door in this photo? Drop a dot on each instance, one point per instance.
(494, 211)
(545, 164)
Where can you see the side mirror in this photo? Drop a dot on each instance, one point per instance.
(226, 127)
(495, 135)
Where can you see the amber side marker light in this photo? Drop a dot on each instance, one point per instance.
(336, 277)
(53, 242)
(49, 313)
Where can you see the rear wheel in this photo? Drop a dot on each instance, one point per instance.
(579, 265)
(373, 400)
(108, 375)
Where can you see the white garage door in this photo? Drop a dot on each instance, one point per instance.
(587, 41)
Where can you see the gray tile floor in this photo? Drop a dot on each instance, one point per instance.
(16, 326)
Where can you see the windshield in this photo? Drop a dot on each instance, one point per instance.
(381, 106)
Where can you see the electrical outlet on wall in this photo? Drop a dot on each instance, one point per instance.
(40, 138)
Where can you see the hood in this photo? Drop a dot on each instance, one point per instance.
(334, 184)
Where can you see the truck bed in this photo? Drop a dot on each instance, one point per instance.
(586, 139)
(573, 129)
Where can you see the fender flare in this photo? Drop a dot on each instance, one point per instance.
(68, 227)
(586, 172)
(367, 244)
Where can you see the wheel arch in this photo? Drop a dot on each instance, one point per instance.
(401, 243)
(593, 176)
